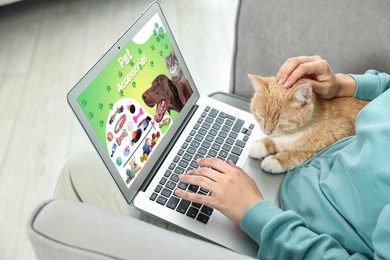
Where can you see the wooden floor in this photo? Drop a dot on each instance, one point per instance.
(45, 48)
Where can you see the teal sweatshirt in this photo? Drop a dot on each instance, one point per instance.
(337, 204)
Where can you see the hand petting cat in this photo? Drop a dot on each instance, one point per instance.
(317, 72)
(294, 111)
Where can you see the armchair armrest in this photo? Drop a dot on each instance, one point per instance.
(73, 230)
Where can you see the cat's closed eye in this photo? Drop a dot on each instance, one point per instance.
(283, 122)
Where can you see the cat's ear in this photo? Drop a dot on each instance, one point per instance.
(303, 94)
(259, 83)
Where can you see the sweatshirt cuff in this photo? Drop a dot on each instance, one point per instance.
(364, 83)
(257, 217)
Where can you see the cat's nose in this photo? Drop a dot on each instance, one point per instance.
(267, 132)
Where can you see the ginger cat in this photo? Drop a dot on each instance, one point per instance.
(297, 122)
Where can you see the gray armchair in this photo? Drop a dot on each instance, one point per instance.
(352, 35)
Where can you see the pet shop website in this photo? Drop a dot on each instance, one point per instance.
(117, 112)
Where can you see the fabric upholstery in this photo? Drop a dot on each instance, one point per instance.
(352, 35)
(73, 230)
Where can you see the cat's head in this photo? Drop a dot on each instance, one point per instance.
(171, 62)
(279, 110)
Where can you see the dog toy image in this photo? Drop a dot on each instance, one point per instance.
(113, 149)
(153, 123)
(119, 161)
(134, 168)
(166, 121)
(118, 111)
(120, 138)
(155, 138)
(131, 108)
(141, 112)
(148, 146)
(126, 151)
(110, 136)
(120, 123)
(130, 126)
(146, 150)
(136, 135)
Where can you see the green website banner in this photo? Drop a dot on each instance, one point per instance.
(147, 62)
(115, 102)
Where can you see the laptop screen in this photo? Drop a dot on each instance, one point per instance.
(136, 98)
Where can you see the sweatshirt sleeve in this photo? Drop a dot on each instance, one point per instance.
(284, 235)
(381, 235)
(371, 84)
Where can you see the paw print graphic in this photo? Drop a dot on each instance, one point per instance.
(90, 115)
(111, 106)
(120, 74)
(84, 102)
(134, 84)
(166, 46)
(100, 106)
(158, 32)
(139, 51)
(101, 123)
(152, 47)
(121, 94)
(131, 63)
(161, 53)
(152, 63)
(108, 88)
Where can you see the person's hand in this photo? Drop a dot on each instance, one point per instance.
(317, 72)
(233, 191)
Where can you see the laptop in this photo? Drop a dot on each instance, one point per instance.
(144, 115)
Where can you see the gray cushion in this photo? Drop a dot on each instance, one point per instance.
(73, 230)
(353, 35)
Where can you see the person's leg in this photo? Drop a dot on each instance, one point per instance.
(85, 178)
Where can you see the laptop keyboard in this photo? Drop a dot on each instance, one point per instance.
(216, 134)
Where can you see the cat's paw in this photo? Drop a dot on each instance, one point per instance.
(272, 165)
(258, 150)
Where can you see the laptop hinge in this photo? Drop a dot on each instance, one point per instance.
(160, 161)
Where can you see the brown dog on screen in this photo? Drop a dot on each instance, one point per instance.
(167, 94)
